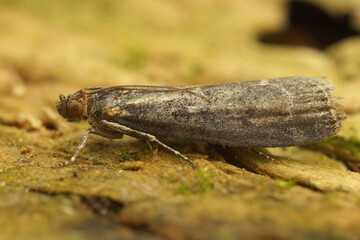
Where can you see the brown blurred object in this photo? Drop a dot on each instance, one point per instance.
(10, 81)
(25, 149)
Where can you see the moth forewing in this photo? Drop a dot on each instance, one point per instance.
(265, 113)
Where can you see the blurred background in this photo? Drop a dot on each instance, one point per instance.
(105, 42)
(60, 46)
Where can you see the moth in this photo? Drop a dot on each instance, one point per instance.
(265, 113)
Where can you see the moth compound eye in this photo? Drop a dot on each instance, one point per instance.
(75, 109)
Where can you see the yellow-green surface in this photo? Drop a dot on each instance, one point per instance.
(120, 189)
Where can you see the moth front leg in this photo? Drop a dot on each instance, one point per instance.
(100, 132)
(141, 135)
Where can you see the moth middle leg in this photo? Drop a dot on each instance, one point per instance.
(142, 136)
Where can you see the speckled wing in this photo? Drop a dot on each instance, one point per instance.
(265, 113)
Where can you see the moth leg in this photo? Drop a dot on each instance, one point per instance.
(149, 145)
(263, 155)
(143, 136)
(84, 140)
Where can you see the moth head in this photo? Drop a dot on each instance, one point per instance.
(72, 108)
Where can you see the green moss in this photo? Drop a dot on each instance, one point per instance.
(172, 178)
(352, 144)
(136, 57)
(202, 184)
(128, 155)
(285, 183)
(329, 196)
(133, 57)
(192, 73)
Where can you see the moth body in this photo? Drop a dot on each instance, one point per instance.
(264, 113)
